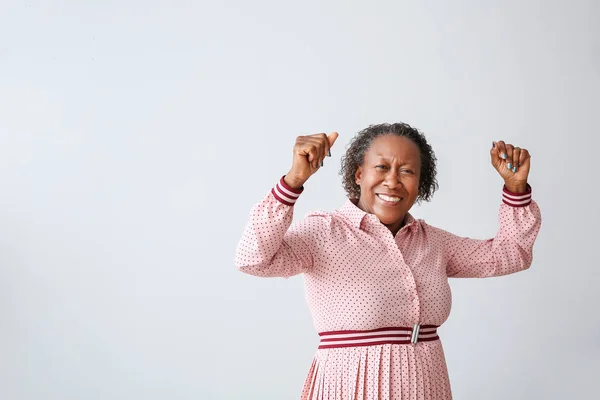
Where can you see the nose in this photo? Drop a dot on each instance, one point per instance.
(392, 181)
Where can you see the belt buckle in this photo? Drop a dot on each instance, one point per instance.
(415, 333)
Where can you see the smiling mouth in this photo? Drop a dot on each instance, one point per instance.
(389, 199)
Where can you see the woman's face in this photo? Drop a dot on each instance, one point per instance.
(389, 179)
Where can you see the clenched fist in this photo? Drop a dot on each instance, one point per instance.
(309, 153)
(512, 163)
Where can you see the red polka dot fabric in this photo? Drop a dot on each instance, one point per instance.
(358, 276)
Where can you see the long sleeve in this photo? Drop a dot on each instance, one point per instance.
(271, 246)
(510, 251)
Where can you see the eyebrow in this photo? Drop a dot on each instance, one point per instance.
(402, 162)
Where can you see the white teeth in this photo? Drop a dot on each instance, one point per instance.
(389, 198)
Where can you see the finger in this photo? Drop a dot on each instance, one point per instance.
(314, 157)
(301, 150)
(509, 156)
(501, 149)
(524, 156)
(516, 157)
(525, 159)
(308, 150)
(495, 154)
(319, 140)
(331, 138)
(324, 148)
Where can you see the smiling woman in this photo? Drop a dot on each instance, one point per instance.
(376, 278)
(389, 178)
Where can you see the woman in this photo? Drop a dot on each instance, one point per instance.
(376, 278)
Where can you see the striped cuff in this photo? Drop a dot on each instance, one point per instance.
(516, 199)
(286, 194)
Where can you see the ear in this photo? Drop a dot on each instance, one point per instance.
(358, 175)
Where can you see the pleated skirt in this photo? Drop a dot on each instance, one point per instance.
(379, 372)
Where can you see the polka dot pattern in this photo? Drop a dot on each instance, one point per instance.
(358, 276)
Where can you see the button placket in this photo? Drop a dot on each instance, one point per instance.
(402, 265)
(397, 259)
(406, 274)
(392, 247)
(409, 277)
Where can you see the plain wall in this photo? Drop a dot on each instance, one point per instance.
(135, 136)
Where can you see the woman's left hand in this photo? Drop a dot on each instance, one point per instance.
(512, 163)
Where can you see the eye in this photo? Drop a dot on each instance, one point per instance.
(381, 166)
(407, 171)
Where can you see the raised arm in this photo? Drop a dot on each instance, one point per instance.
(271, 246)
(511, 250)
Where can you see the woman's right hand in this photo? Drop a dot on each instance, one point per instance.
(309, 153)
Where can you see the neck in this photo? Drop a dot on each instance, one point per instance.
(396, 226)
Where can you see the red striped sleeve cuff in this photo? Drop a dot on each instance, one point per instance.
(516, 199)
(285, 194)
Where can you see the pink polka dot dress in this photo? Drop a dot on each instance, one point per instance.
(377, 299)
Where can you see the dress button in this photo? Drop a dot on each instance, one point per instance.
(415, 300)
(408, 277)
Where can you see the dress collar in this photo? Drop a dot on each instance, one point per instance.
(356, 216)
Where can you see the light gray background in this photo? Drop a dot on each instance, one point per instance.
(135, 136)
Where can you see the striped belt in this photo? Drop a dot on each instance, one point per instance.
(394, 335)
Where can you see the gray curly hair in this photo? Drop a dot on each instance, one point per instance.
(355, 155)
